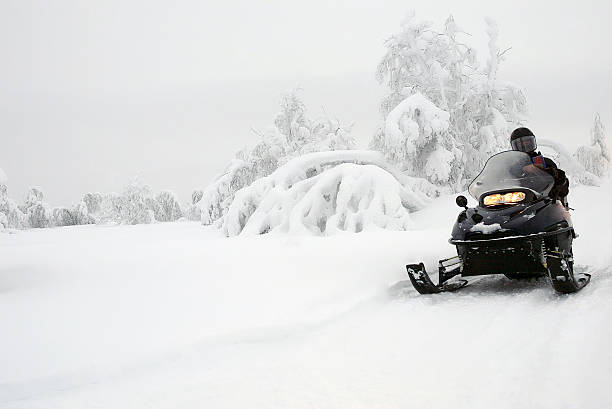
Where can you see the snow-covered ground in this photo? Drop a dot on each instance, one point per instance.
(176, 316)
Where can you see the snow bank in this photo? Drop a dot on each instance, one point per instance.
(324, 193)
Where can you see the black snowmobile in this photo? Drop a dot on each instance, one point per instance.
(516, 230)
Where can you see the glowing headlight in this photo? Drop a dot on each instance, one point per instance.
(506, 198)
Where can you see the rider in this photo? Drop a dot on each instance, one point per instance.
(522, 139)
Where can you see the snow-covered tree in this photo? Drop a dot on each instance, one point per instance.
(169, 209)
(93, 201)
(11, 215)
(596, 157)
(292, 135)
(38, 213)
(136, 203)
(110, 209)
(74, 216)
(442, 69)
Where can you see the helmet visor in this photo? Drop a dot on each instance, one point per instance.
(524, 143)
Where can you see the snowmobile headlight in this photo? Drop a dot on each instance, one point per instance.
(502, 199)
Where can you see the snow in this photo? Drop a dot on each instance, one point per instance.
(575, 171)
(3, 177)
(175, 315)
(486, 228)
(324, 193)
(400, 124)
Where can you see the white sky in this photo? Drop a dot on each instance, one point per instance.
(94, 93)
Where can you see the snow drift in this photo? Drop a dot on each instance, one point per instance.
(324, 193)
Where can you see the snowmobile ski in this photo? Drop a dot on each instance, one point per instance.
(423, 284)
(562, 276)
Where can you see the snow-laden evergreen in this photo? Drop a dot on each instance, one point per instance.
(596, 157)
(324, 193)
(439, 69)
(293, 134)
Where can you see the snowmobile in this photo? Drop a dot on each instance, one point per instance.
(516, 230)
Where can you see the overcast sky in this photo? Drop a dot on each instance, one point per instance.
(95, 93)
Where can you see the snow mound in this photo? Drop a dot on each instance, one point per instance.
(3, 177)
(325, 193)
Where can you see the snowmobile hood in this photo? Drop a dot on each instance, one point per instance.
(483, 223)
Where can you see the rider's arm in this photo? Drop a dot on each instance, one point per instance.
(561, 188)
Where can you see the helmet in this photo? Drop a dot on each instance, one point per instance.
(522, 139)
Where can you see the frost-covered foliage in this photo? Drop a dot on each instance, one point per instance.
(136, 204)
(596, 157)
(444, 115)
(168, 209)
(93, 201)
(74, 216)
(37, 212)
(323, 193)
(293, 134)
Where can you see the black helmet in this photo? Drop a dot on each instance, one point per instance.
(522, 139)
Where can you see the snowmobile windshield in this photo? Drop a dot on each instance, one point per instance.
(508, 171)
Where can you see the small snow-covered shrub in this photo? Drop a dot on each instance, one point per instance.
(323, 193)
(168, 209)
